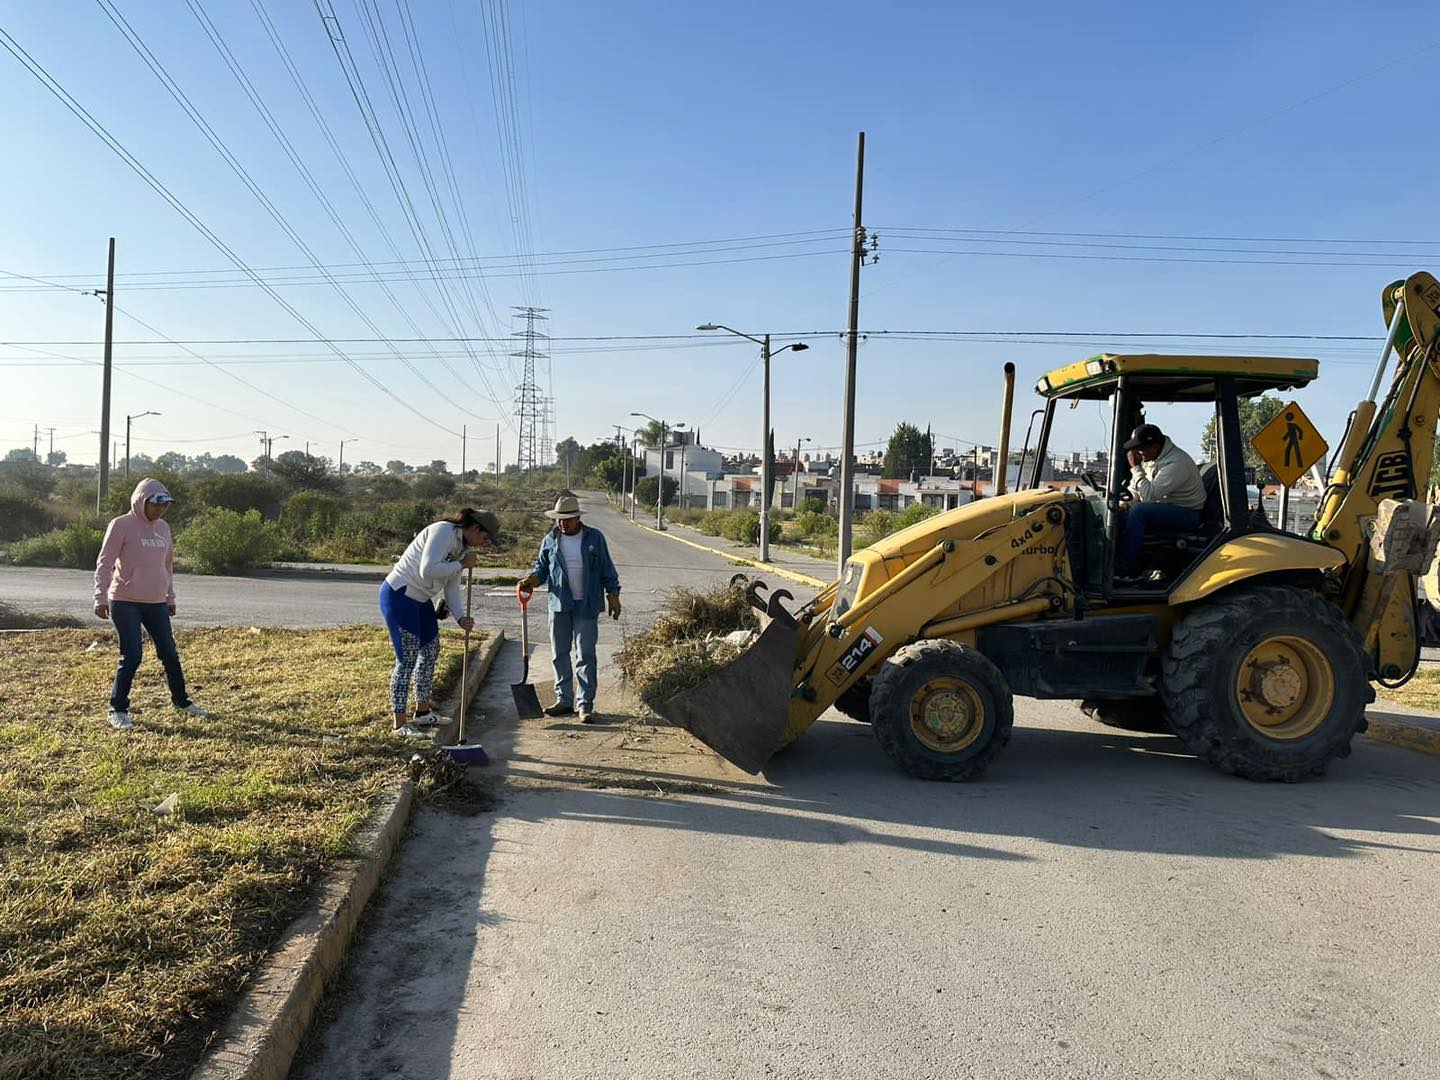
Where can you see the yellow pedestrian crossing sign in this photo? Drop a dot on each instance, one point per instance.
(1289, 444)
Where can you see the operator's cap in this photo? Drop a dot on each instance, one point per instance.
(1143, 435)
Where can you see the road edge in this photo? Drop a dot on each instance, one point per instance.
(771, 568)
(1415, 737)
(263, 1033)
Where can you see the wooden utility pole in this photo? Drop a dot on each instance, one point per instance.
(497, 451)
(464, 432)
(847, 449)
(104, 485)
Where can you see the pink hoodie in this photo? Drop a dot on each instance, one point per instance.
(137, 557)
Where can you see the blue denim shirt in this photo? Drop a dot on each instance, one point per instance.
(600, 574)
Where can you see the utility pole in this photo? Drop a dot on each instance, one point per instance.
(497, 451)
(660, 486)
(634, 471)
(766, 481)
(340, 466)
(795, 498)
(35, 444)
(51, 456)
(861, 246)
(104, 485)
(464, 434)
(129, 417)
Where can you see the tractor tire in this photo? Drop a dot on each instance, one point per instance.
(855, 702)
(941, 710)
(1267, 682)
(1127, 714)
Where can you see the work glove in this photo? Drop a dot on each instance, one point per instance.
(612, 604)
(528, 582)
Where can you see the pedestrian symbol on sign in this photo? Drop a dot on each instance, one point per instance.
(1289, 444)
(1293, 434)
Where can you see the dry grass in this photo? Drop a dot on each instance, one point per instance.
(685, 645)
(1421, 692)
(124, 935)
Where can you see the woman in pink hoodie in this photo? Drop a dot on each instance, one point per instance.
(135, 587)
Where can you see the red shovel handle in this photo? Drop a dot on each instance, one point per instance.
(522, 595)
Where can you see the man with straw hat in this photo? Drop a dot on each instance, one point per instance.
(574, 563)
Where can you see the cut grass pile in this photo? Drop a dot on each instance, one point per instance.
(686, 643)
(1421, 692)
(125, 934)
(14, 618)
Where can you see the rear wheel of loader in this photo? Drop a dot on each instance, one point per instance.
(940, 710)
(1127, 714)
(1267, 682)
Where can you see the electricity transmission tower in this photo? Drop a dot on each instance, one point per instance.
(529, 405)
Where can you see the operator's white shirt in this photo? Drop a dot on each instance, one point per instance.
(574, 563)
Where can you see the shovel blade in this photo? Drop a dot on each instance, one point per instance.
(527, 702)
(742, 712)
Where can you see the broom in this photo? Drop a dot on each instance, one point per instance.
(463, 753)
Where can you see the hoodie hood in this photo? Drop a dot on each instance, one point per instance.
(142, 492)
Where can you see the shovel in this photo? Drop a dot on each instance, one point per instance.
(527, 702)
(463, 753)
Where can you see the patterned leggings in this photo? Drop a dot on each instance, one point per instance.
(419, 659)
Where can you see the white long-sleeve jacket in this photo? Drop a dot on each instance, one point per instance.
(431, 566)
(1171, 478)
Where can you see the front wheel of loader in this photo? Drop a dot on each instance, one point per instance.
(940, 710)
(1267, 682)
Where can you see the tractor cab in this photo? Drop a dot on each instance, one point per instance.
(1129, 391)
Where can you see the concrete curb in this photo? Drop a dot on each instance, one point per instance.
(1398, 733)
(259, 1040)
(771, 568)
(261, 1037)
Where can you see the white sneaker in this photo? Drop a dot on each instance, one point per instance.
(429, 720)
(409, 731)
(120, 721)
(193, 709)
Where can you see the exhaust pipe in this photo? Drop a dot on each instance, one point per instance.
(1004, 458)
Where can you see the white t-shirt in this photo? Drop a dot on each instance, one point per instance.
(574, 563)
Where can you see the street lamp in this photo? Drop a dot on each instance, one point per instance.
(767, 482)
(660, 456)
(795, 498)
(136, 416)
(340, 466)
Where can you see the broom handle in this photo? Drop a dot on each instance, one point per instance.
(465, 656)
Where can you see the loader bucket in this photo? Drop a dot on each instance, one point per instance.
(742, 712)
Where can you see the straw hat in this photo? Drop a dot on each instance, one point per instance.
(566, 506)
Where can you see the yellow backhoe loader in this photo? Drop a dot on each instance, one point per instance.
(1256, 646)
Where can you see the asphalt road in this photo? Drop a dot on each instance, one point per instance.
(1100, 905)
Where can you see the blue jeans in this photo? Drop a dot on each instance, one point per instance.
(568, 630)
(128, 618)
(1143, 518)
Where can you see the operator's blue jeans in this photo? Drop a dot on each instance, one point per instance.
(128, 618)
(569, 631)
(1143, 518)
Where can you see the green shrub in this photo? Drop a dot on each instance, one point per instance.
(22, 514)
(712, 522)
(379, 534)
(876, 525)
(815, 523)
(913, 515)
(220, 541)
(645, 490)
(241, 492)
(77, 546)
(31, 476)
(812, 506)
(433, 486)
(311, 515)
(745, 527)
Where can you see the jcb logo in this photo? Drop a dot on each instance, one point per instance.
(1392, 476)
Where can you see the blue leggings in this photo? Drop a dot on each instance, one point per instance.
(415, 637)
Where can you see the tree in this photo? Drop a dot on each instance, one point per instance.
(22, 455)
(650, 433)
(909, 450)
(613, 470)
(228, 465)
(435, 468)
(397, 467)
(170, 461)
(55, 458)
(367, 468)
(302, 470)
(1255, 413)
(645, 490)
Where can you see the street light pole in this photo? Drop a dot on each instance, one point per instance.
(340, 466)
(767, 479)
(795, 498)
(128, 418)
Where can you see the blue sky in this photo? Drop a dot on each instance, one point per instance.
(672, 124)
